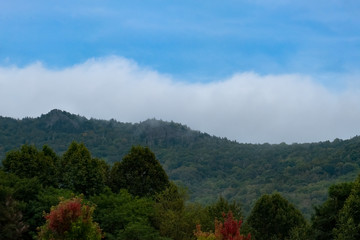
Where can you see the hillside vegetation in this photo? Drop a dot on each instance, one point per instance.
(207, 165)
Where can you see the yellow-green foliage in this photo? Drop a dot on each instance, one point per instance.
(200, 235)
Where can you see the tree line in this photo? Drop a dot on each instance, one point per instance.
(207, 165)
(77, 196)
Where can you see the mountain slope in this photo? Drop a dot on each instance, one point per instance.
(207, 165)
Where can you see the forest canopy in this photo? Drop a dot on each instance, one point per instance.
(157, 210)
(206, 165)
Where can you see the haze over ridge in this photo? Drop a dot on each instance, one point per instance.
(247, 107)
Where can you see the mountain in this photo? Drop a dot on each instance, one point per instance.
(207, 165)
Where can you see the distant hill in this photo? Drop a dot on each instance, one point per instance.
(207, 165)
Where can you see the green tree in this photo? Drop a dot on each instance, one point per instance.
(273, 217)
(348, 226)
(175, 219)
(12, 225)
(17, 195)
(29, 162)
(71, 219)
(45, 199)
(123, 216)
(169, 213)
(80, 172)
(139, 172)
(325, 217)
(217, 209)
(22, 189)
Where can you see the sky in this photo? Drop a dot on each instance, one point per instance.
(253, 71)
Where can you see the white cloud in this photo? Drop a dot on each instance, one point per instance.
(246, 107)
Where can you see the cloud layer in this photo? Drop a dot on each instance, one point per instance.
(246, 107)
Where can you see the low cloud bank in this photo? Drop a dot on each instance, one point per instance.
(246, 107)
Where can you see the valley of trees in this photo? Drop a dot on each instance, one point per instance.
(77, 196)
(207, 166)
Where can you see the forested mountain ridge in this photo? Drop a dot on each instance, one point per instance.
(207, 165)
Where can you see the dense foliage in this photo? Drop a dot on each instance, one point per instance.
(80, 172)
(70, 220)
(273, 217)
(139, 172)
(348, 226)
(227, 230)
(29, 162)
(208, 166)
(12, 225)
(159, 212)
(123, 216)
(326, 215)
(156, 213)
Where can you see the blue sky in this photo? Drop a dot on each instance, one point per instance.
(191, 40)
(198, 44)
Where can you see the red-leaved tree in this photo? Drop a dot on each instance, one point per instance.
(227, 230)
(230, 229)
(71, 219)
